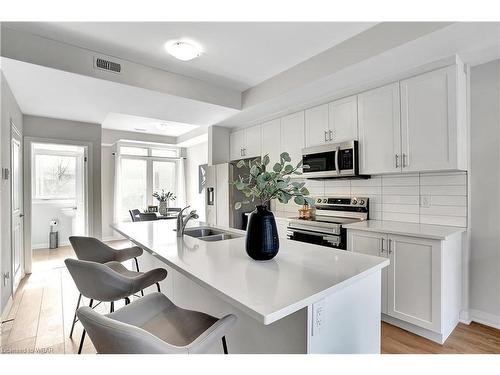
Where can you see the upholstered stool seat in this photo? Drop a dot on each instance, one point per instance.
(153, 324)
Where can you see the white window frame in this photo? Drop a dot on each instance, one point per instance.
(149, 166)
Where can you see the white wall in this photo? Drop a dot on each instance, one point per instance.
(195, 155)
(107, 193)
(484, 297)
(44, 127)
(42, 213)
(9, 111)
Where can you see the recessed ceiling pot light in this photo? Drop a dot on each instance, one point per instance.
(182, 50)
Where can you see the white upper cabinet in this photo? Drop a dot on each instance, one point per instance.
(236, 145)
(252, 142)
(316, 125)
(379, 130)
(343, 119)
(245, 143)
(431, 127)
(292, 135)
(271, 140)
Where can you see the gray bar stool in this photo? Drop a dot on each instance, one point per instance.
(152, 325)
(109, 282)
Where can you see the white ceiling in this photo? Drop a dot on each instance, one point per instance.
(236, 55)
(120, 121)
(54, 93)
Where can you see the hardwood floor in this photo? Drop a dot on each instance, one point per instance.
(43, 308)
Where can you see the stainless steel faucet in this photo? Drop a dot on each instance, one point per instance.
(181, 221)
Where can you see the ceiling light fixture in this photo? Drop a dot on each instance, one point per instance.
(183, 51)
(162, 126)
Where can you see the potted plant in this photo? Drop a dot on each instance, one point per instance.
(164, 199)
(261, 186)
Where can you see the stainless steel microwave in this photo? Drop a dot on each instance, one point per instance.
(332, 160)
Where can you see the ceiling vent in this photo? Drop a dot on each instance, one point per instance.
(107, 65)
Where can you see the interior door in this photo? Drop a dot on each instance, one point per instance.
(379, 130)
(80, 228)
(17, 208)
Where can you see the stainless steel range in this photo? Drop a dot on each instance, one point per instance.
(326, 226)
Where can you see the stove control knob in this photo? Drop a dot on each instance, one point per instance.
(319, 200)
(354, 201)
(361, 202)
(324, 200)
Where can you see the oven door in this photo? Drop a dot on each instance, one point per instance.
(315, 238)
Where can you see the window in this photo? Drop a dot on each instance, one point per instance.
(144, 171)
(55, 176)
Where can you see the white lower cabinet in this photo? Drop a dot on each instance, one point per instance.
(421, 288)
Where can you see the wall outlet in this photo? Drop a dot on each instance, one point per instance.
(318, 317)
(425, 200)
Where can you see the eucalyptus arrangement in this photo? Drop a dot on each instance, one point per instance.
(263, 185)
(260, 186)
(164, 199)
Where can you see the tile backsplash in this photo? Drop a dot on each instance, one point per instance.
(427, 198)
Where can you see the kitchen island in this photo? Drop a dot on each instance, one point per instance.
(308, 299)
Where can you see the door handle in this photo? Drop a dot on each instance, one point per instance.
(397, 160)
(331, 134)
(390, 246)
(337, 158)
(382, 245)
(326, 136)
(21, 215)
(404, 161)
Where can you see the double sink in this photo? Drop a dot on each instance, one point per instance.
(210, 234)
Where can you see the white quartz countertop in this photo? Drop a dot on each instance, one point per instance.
(300, 275)
(437, 232)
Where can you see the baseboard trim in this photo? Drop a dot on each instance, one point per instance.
(485, 318)
(430, 335)
(113, 238)
(46, 245)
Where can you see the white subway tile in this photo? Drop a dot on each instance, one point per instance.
(443, 180)
(402, 208)
(400, 190)
(374, 181)
(444, 210)
(400, 199)
(400, 181)
(454, 221)
(366, 190)
(375, 215)
(444, 190)
(395, 216)
(451, 200)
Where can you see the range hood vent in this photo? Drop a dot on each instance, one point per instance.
(107, 65)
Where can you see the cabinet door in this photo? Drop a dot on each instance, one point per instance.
(236, 145)
(370, 243)
(271, 140)
(343, 121)
(379, 130)
(429, 121)
(292, 135)
(252, 146)
(414, 281)
(316, 125)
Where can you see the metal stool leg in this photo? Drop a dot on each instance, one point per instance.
(84, 332)
(137, 268)
(74, 318)
(158, 286)
(127, 301)
(112, 308)
(224, 344)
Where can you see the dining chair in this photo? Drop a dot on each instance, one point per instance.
(109, 282)
(152, 325)
(134, 214)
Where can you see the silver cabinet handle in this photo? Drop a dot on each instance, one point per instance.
(244, 152)
(241, 152)
(330, 132)
(390, 246)
(397, 160)
(382, 245)
(404, 161)
(326, 136)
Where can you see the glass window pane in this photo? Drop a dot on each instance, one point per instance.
(164, 176)
(133, 185)
(163, 152)
(55, 177)
(137, 151)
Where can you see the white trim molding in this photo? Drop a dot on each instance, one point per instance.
(484, 318)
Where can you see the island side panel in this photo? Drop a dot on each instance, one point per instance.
(348, 321)
(248, 336)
